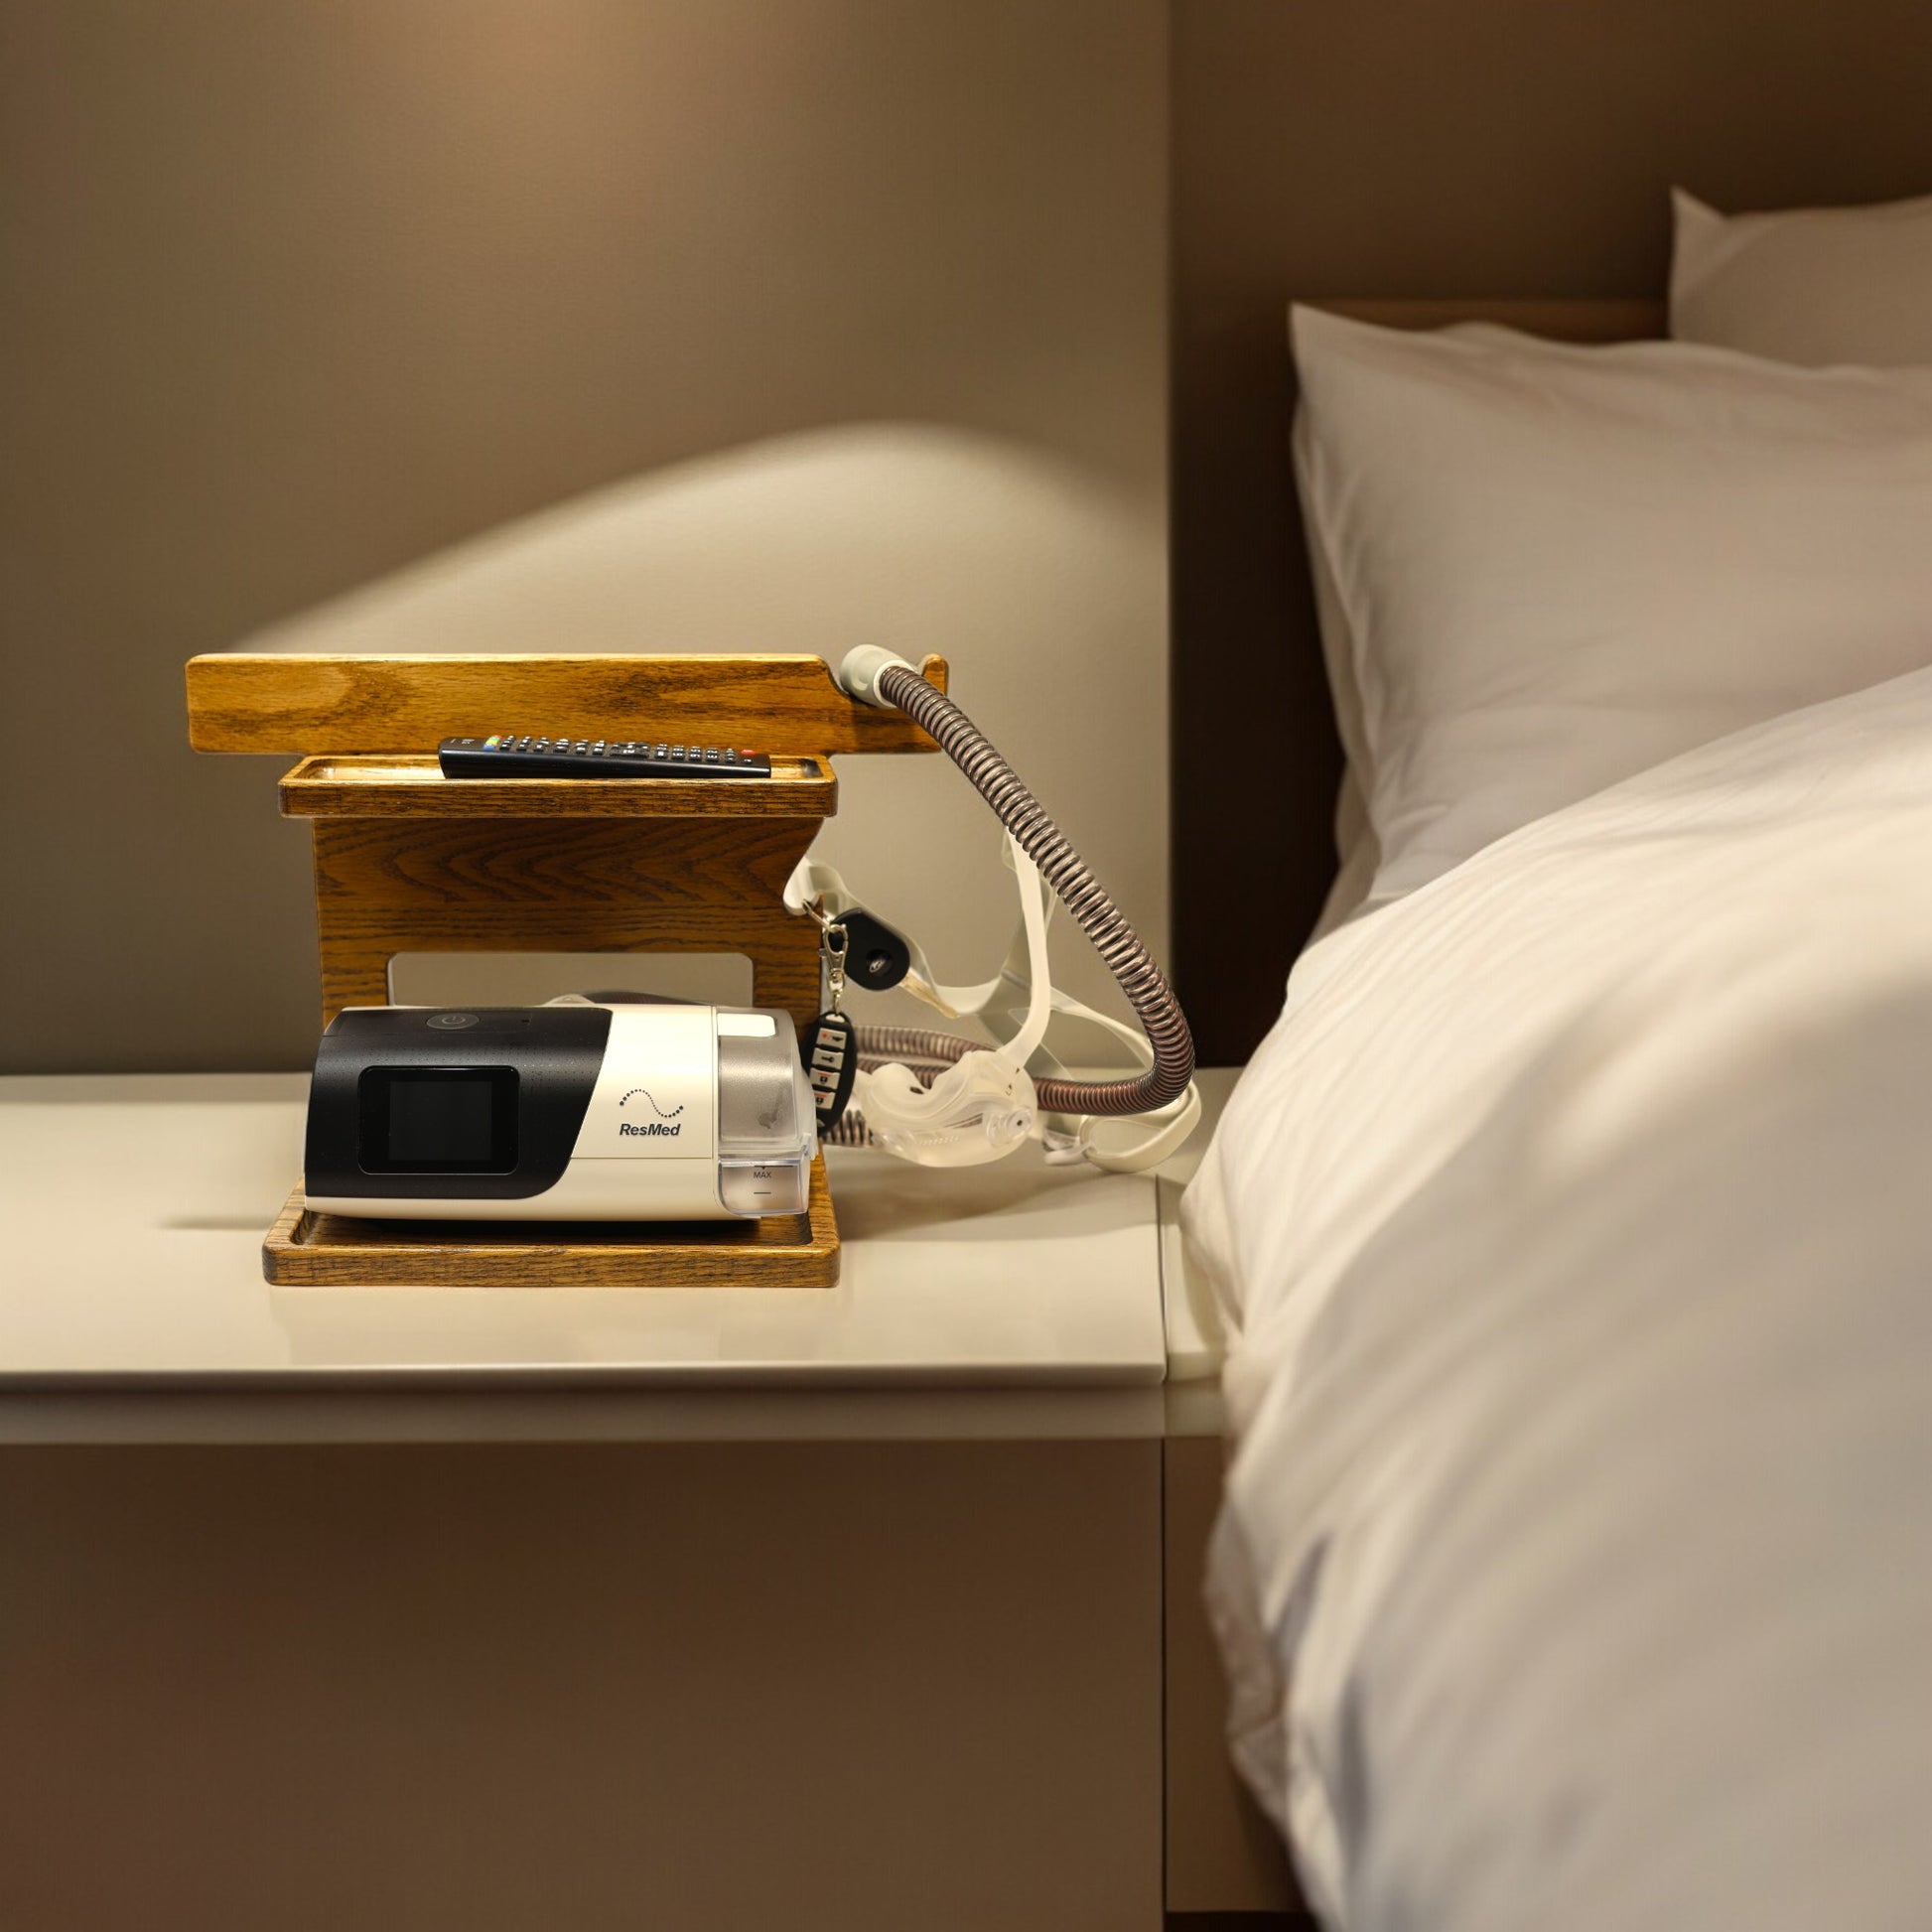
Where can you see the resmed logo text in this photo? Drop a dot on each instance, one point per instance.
(662, 1112)
(650, 1128)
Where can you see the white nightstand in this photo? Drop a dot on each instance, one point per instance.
(134, 1208)
(788, 1609)
(816, 1607)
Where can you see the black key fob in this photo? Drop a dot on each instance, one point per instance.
(876, 957)
(829, 1047)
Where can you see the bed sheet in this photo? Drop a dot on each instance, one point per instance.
(1574, 1232)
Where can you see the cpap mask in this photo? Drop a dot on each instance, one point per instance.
(936, 1098)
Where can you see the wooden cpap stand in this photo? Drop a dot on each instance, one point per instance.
(408, 861)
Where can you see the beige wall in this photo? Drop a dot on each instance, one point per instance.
(793, 325)
(789, 322)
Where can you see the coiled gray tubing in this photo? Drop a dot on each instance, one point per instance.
(1130, 962)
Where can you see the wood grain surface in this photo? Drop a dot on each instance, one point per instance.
(307, 1250)
(340, 705)
(676, 863)
(414, 787)
(561, 885)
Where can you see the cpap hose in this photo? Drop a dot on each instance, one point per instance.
(878, 677)
(926, 1044)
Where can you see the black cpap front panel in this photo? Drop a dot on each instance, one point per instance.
(437, 1119)
(450, 1103)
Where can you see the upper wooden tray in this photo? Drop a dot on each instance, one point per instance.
(398, 787)
(408, 704)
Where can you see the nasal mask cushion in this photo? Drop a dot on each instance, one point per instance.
(979, 1109)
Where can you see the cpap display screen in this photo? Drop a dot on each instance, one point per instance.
(438, 1120)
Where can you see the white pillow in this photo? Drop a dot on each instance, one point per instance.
(1559, 566)
(1812, 285)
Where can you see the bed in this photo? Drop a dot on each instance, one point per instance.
(1571, 1225)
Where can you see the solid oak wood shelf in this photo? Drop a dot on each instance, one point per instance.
(333, 705)
(409, 862)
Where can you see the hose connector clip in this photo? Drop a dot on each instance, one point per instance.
(860, 671)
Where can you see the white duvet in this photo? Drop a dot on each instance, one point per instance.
(1575, 1229)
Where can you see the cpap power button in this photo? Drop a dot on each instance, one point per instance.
(449, 1022)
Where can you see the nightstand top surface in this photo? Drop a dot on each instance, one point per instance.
(135, 1204)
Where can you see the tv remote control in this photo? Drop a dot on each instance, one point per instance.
(509, 754)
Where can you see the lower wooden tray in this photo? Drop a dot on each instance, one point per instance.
(310, 1250)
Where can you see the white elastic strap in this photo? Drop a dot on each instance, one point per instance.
(1040, 993)
(1095, 1137)
(1024, 975)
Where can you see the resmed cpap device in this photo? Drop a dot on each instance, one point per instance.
(572, 1112)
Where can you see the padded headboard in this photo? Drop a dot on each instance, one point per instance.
(1392, 148)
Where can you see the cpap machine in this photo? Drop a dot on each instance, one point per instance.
(577, 1112)
(591, 1109)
